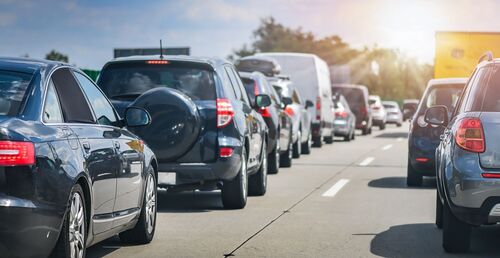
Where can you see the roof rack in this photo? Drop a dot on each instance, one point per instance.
(486, 56)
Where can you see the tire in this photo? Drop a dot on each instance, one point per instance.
(317, 142)
(257, 183)
(286, 158)
(456, 234)
(77, 207)
(399, 125)
(413, 179)
(348, 138)
(329, 139)
(144, 230)
(273, 160)
(353, 135)
(370, 130)
(234, 192)
(382, 126)
(306, 146)
(439, 212)
(297, 146)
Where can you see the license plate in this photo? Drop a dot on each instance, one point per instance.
(167, 178)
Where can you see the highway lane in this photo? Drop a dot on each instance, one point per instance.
(348, 199)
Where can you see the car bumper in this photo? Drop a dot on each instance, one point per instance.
(27, 229)
(394, 119)
(340, 128)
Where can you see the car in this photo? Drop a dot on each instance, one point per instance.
(467, 164)
(263, 64)
(205, 132)
(378, 111)
(423, 138)
(279, 124)
(71, 172)
(310, 75)
(394, 115)
(409, 108)
(357, 97)
(345, 120)
(297, 109)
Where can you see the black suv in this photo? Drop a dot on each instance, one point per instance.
(204, 131)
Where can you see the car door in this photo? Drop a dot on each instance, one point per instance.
(126, 148)
(99, 157)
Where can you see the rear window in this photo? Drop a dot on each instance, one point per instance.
(13, 88)
(249, 87)
(353, 96)
(130, 80)
(446, 95)
(491, 102)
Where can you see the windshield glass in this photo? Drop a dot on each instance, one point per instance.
(353, 96)
(13, 87)
(446, 95)
(130, 80)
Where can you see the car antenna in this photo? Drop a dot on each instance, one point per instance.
(161, 50)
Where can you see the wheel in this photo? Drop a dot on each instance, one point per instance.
(297, 146)
(365, 131)
(348, 138)
(306, 146)
(317, 142)
(412, 177)
(370, 130)
(144, 230)
(329, 139)
(439, 212)
(234, 192)
(257, 183)
(456, 234)
(286, 158)
(72, 239)
(399, 125)
(382, 126)
(353, 135)
(273, 163)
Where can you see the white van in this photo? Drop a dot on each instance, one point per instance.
(311, 76)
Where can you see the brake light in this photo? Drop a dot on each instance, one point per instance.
(156, 62)
(225, 152)
(341, 114)
(264, 112)
(470, 136)
(318, 108)
(490, 175)
(422, 160)
(225, 112)
(289, 111)
(17, 153)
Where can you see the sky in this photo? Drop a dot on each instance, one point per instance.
(88, 30)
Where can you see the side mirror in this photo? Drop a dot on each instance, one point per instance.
(287, 101)
(135, 116)
(262, 100)
(437, 115)
(309, 104)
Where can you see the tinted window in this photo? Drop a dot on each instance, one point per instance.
(13, 88)
(102, 109)
(129, 80)
(52, 111)
(249, 87)
(491, 102)
(446, 95)
(244, 96)
(232, 79)
(354, 96)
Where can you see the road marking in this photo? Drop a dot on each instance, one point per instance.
(400, 139)
(386, 147)
(335, 188)
(366, 161)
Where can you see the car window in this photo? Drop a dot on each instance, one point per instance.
(491, 101)
(130, 80)
(446, 95)
(52, 112)
(74, 105)
(236, 89)
(13, 88)
(249, 87)
(226, 84)
(103, 110)
(354, 96)
(244, 96)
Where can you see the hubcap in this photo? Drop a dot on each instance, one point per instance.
(244, 175)
(76, 226)
(150, 203)
(264, 168)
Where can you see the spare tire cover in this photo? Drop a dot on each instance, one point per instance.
(175, 122)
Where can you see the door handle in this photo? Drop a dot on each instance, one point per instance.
(86, 146)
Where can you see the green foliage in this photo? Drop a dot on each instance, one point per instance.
(57, 56)
(398, 76)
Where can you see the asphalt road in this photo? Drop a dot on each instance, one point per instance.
(343, 200)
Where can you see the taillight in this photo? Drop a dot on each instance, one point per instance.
(289, 111)
(318, 108)
(470, 136)
(341, 114)
(225, 152)
(17, 153)
(264, 112)
(225, 112)
(157, 62)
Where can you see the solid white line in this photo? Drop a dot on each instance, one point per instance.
(386, 147)
(335, 188)
(366, 161)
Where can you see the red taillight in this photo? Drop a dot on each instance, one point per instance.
(264, 112)
(318, 108)
(490, 175)
(470, 136)
(289, 111)
(225, 112)
(17, 153)
(157, 62)
(422, 160)
(341, 114)
(225, 152)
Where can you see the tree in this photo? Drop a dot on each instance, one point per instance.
(57, 56)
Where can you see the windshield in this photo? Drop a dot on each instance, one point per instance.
(13, 87)
(130, 80)
(446, 95)
(353, 96)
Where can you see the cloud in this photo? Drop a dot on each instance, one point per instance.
(198, 10)
(7, 19)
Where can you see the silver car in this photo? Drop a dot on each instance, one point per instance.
(394, 114)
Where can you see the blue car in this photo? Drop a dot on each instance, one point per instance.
(71, 174)
(424, 138)
(468, 158)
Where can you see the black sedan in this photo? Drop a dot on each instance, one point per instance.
(71, 174)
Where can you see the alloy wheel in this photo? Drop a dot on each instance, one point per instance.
(150, 203)
(77, 226)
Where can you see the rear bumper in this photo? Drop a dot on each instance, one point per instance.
(341, 128)
(26, 229)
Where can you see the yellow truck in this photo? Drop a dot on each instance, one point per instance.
(457, 53)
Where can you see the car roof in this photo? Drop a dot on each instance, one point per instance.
(448, 81)
(27, 65)
(214, 61)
